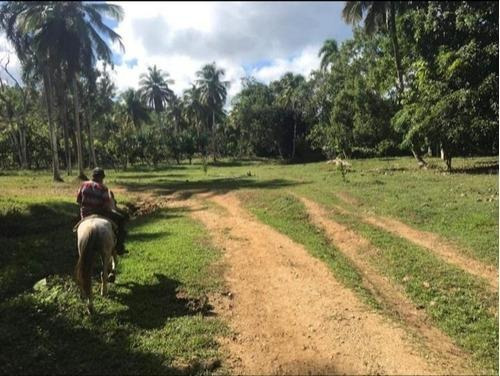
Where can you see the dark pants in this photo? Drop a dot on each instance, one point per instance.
(119, 219)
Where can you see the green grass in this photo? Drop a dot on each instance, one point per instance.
(155, 320)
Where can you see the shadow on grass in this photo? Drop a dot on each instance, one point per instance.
(150, 306)
(215, 186)
(37, 241)
(483, 169)
(148, 176)
(38, 339)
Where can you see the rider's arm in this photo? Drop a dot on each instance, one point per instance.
(107, 200)
(79, 196)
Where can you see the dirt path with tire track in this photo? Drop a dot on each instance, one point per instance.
(356, 248)
(434, 243)
(291, 316)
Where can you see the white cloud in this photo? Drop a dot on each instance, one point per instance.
(302, 64)
(181, 37)
(268, 38)
(8, 55)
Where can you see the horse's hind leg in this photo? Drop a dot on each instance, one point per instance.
(112, 272)
(104, 277)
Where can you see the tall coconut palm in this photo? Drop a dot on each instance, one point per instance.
(174, 112)
(155, 91)
(194, 112)
(378, 16)
(213, 94)
(35, 64)
(328, 53)
(135, 107)
(68, 34)
(287, 90)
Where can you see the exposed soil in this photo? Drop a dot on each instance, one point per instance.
(290, 315)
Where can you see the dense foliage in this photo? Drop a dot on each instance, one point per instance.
(416, 77)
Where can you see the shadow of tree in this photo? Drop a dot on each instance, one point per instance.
(38, 339)
(148, 176)
(37, 241)
(215, 185)
(483, 169)
(150, 306)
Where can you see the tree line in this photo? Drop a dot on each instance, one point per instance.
(417, 78)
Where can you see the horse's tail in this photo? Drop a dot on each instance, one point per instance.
(87, 247)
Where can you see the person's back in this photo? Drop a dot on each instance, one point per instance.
(95, 198)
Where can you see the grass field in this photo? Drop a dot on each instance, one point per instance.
(157, 319)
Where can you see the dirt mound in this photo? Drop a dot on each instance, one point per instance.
(145, 205)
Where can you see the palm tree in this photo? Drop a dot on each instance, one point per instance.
(287, 90)
(193, 108)
(135, 107)
(213, 93)
(67, 34)
(155, 91)
(381, 15)
(175, 112)
(378, 15)
(195, 113)
(12, 14)
(328, 53)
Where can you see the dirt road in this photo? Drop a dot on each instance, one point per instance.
(290, 315)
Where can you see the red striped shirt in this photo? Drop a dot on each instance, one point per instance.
(93, 196)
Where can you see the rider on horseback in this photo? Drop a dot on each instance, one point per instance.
(95, 198)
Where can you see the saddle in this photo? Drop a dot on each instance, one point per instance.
(113, 223)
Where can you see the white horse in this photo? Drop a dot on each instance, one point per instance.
(96, 236)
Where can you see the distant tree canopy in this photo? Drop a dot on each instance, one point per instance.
(416, 77)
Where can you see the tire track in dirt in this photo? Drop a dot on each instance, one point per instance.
(437, 246)
(291, 316)
(356, 248)
(432, 242)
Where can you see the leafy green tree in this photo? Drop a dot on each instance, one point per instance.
(453, 88)
(381, 16)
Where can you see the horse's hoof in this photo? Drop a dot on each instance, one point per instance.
(111, 277)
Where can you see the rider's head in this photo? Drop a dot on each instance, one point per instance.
(98, 175)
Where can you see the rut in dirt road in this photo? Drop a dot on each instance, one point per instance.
(430, 241)
(392, 297)
(290, 314)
